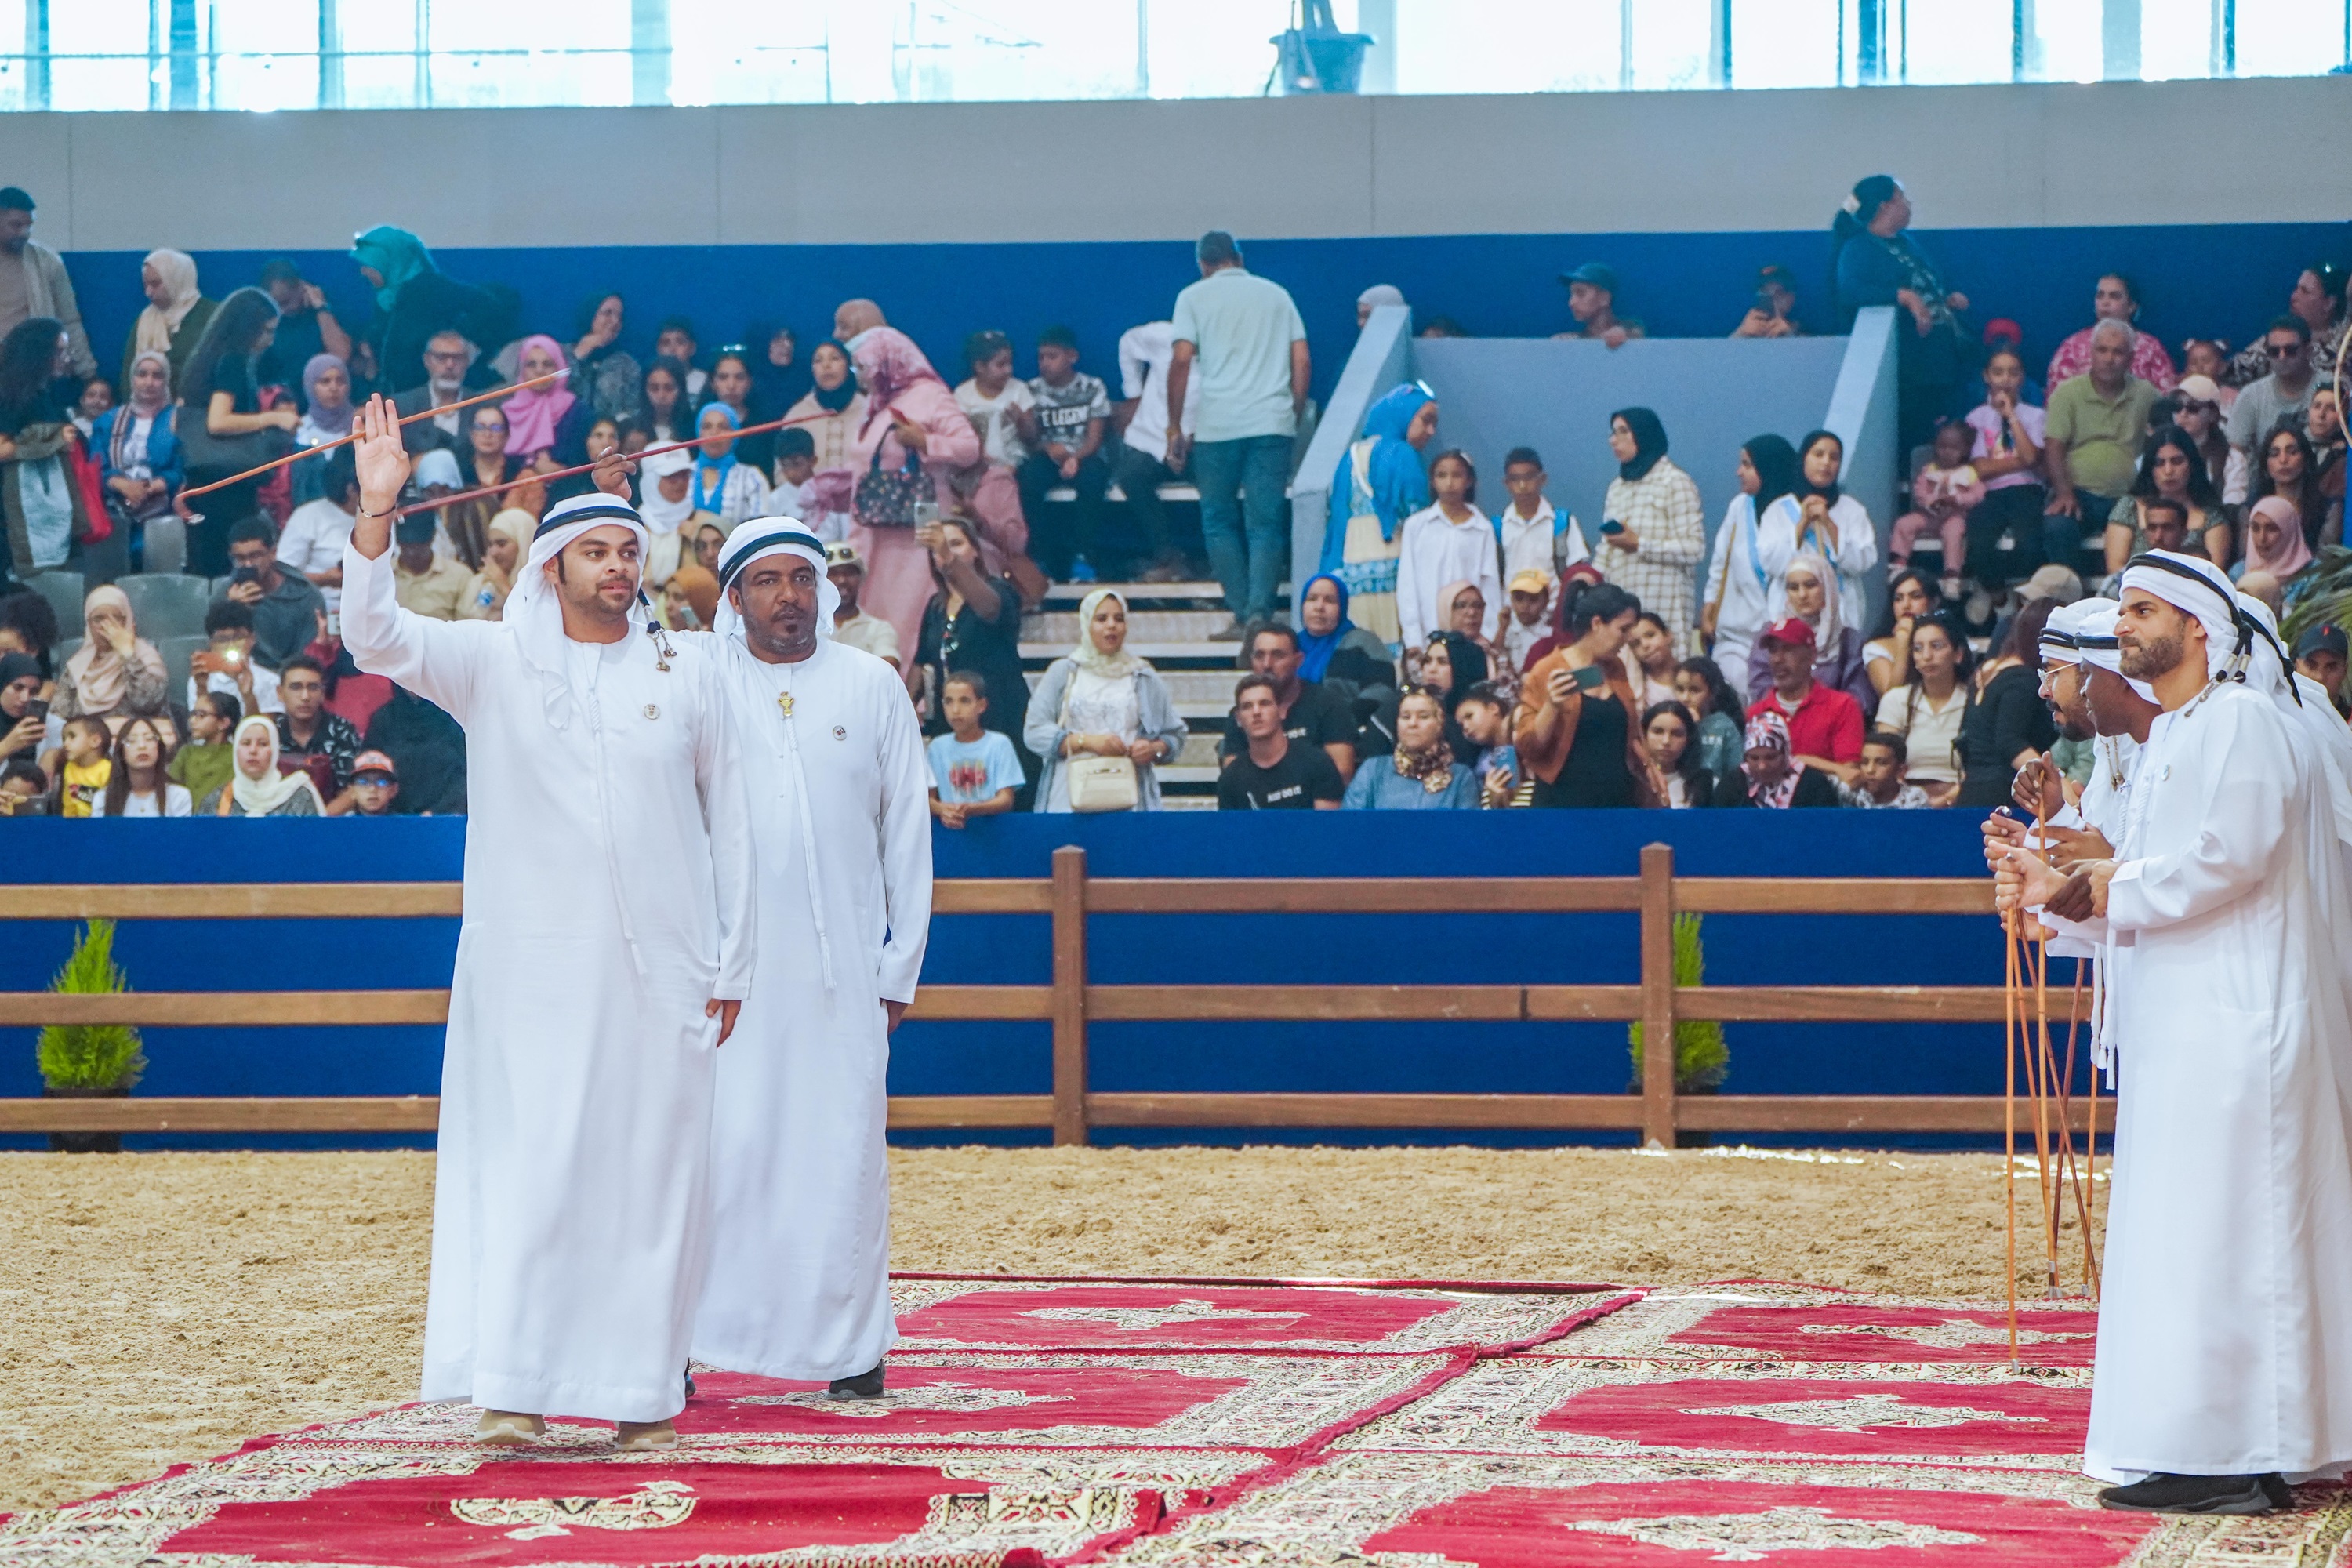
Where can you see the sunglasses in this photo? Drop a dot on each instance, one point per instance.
(2287, 349)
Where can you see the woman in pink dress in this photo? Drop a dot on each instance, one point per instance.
(910, 410)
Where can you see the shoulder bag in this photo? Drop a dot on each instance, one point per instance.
(1098, 784)
(887, 498)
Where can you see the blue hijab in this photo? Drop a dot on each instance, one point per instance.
(1400, 484)
(700, 499)
(395, 253)
(1315, 651)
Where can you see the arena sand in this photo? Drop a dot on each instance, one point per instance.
(161, 1308)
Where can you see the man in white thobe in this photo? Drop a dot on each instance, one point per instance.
(2224, 1368)
(606, 945)
(833, 764)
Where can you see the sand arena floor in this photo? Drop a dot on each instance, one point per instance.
(160, 1308)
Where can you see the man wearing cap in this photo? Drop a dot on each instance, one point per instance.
(1824, 724)
(606, 947)
(852, 627)
(376, 785)
(833, 763)
(2320, 654)
(2224, 1368)
(33, 282)
(1592, 300)
(424, 581)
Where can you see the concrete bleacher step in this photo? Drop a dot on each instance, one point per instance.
(1158, 626)
(1163, 594)
(1197, 693)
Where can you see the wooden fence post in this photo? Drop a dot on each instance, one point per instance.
(1069, 995)
(1658, 996)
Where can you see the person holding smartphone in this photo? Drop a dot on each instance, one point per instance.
(23, 717)
(1578, 736)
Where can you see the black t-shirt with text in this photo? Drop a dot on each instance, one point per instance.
(1320, 716)
(1304, 775)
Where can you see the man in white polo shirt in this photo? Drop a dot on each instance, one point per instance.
(1243, 337)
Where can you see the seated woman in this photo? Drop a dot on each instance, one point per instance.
(1806, 594)
(665, 413)
(1928, 709)
(536, 414)
(136, 787)
(2170, 469)
(1770, 776)
(257, 788)
(507, 543)
(1336, 653)
(326, 414)
(1671, 739)
(2276, 554)
(138, 446)
(1420, 774)
(1100, 701)
(116, 672)
(2008, 724)
(1911, 598)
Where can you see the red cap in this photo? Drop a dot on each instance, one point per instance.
(374, 762)
(1792, 631)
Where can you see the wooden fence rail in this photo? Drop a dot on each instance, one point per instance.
(1070, 899)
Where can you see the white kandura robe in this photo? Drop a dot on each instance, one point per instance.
(2225, 1320)
(609, 880)
(799, 1278)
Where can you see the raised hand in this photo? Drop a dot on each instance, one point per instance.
(382, 463)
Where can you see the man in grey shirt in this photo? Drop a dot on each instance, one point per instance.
(33, 281)
(2284, 393)
(1242, 336)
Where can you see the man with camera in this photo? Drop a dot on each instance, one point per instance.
(288, 612)
(229, 665)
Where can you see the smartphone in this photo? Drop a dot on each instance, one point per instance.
(1765, 303)
(1590, 677)
(244, 575)
(1611, 525)
(230, 658)
(38, 708)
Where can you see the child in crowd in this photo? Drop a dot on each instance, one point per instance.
(204, 764)
(1448, 543)
(2007, 457)
(1483, 715)
(24, 789)
(1946, 491)
(375, 784)
(1535, 537)
(1882, 777)
(1650, 662)
(1071, 411)
(791, 497)
(2209, 357)
(675, 340)
(997, 405)
(974, 771)
(97, 397)
(1722, 739)
(1530, 618)
(87, 766)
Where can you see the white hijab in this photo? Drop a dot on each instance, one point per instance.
(259, 797)
(532, 611)
(663, 515)
(1827, 624)
(177, 271)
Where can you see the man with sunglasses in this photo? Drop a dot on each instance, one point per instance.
(2285, 393)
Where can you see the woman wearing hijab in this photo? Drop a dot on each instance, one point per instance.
(177, 315)
(1451, 663)
(1807, 591)
(2276, 554)
(689, 601)
(729, 489)
(257, 788)
(603, 374)
(1820, 518)
(506, 541)
(1874, 262)
(1738, 584)
(1422, 773)
(116, 672)
(833, 408)
(779, 379)
(1099, 701)
(1652, 531)
(1372, 298)
(415, 298)
(535, 414)
(1380, 482)
(1336, 653)
(138, 450)
(1770, 776)
(912, 427)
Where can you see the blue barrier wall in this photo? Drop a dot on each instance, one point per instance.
(983, 1057)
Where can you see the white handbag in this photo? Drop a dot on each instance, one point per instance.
(1099, 784)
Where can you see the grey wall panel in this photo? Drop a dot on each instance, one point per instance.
(1287, 168)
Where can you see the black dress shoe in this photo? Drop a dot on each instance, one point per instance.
(864, 1385)
(689, 1382)
(2199, 1494)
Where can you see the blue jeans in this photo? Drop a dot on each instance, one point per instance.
(1247, 563)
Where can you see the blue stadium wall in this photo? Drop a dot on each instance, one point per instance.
(1015, 215)
(1015, 1058)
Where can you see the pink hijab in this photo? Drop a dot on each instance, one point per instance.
(532, 415)
(2294, 554)
(888, 366)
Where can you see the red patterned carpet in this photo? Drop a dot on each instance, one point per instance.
(1306, 1424)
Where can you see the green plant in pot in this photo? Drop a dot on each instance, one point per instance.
(89, 1061)
(1702, 1059)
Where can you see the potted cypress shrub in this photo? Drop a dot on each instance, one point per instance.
(1701, 1057)
(89, 1061)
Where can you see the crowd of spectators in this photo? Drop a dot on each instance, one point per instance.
(1448, 653)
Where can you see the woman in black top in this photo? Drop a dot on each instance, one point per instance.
(973, 622)
(221, 392)
(2009, 724)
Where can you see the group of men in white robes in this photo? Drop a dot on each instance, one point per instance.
(2207, 866)
(677, 844)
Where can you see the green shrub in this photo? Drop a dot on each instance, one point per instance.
(1701, 1059)
(91, 1056)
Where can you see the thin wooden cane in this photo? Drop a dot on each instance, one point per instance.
(2081, 1178)
(2045, 1137)
(2010, 1010)
(464, 496)
(433, 413)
